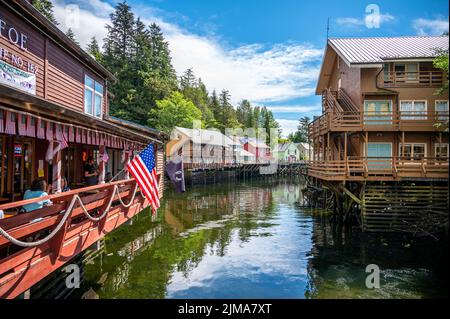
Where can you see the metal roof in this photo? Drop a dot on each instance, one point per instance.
(282, 147)
(206, 136)
(380, 49)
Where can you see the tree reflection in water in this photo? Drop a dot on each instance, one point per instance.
(250, 240)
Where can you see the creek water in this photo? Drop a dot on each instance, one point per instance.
(255, 240)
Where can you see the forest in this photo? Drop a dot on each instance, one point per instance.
(148, 90)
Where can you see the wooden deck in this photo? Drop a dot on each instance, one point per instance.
(22, 267)
(413, 79)
(371, 122)
(379, 169)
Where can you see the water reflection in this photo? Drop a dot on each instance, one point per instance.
(250, 240)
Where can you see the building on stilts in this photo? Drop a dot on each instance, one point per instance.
(381, 143)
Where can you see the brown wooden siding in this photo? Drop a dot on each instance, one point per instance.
(61, 79)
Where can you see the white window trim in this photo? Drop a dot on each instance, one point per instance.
(94, 93)
(414, 118)
(439, 144)
(436, 102)
(412, 150)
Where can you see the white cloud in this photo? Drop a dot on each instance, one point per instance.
(294, 108)
(257, 72)
(427, 26)
(357, 22)
(288, 126)
(83, 22)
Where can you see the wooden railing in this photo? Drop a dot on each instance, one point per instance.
(373, 121)
(21, 267)
(380, 168)
(413, 79)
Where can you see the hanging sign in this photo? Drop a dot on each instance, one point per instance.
(17, 78)
(17, 150)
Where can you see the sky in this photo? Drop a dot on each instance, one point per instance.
(268, 52)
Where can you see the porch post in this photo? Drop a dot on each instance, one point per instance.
(126, 161)
(101, 166)
(56, 170)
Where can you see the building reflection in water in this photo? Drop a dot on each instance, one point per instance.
(253, 240)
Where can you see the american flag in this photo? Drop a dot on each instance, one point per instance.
(10, 123)
(61, 138)
(143, 169)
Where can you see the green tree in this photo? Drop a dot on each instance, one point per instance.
(301, 135)
(94, 49)
(441, 62)
(175, 110)
(195, 90)
(46, 8)
(227, 117)
(139, 57)
(71, 35)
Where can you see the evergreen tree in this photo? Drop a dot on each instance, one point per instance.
(195, 90)
(119, 41)
(93, 49)
(46, 8)
(227, 114)
(301, 135)
(161, 61)
(71, 36)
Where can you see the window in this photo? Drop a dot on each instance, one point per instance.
(413, 150)
(93, 97)
(441, 108)
(441, 150)
(378, 112)
(413, 110)
(406, 72)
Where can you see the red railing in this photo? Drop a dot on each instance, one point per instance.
(104, 208)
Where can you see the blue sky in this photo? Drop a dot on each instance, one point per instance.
(266, 51)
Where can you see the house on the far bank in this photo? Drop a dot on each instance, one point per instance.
(258, 148)
(241, 156)
(287, 152)
(304, 149)
(201, 148)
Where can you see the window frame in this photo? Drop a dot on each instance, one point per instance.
(442, 117)
(94, 93)
(436, 145)
(385, 118)
(413, 112)
(412, 144)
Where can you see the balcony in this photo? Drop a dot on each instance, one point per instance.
(413, 79)
(379, 169)
(376, 121)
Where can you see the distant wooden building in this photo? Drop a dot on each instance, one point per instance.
(53, 94)
(287, 152)
(201, 148)
(305, 151)
(258, 148)
(382, 121)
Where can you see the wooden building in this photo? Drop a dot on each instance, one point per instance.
(381, 118)
(258, 148)
(54, 106)
(201, 148)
